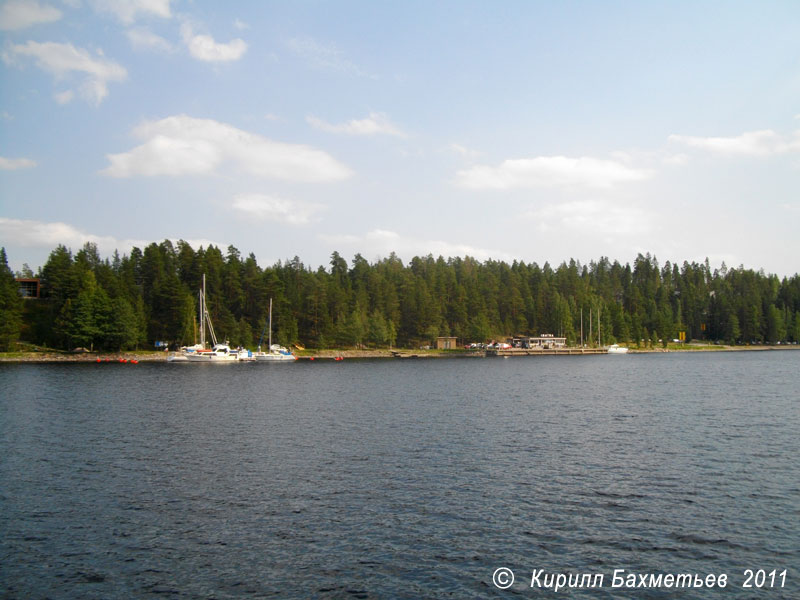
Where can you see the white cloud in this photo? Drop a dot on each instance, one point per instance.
(62, 60)
(464, 151)
(14, 164)
(272, 208)
(145, 39)
(324, 57)
(550, 171)
(183, 145)
(382, 242)
(64, 97)
(374, 124)
(751, 143)
(127, 11)
(240, 25)
(39, 234)
(20, 14)
(603, 218)
(203, 47)
(677, 160)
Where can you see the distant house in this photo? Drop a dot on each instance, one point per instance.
(446, 343)
(28, 288)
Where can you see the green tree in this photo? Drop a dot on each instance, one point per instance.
(10, 306)
(353, 329)
(479, 330)
(75, 324)
(377, 333)
(732, 331)
(776, 326)
(794, 328)
(245, 338)
(188, 334)
(123, 329)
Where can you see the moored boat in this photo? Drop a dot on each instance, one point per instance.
(219, 352)
(617, 349)
(276, 353)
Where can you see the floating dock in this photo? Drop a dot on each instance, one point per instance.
(543, 351)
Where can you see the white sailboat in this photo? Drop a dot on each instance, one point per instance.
(617, 349)
(275, 353)
(218, 352)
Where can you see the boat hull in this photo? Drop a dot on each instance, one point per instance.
(264, 357)
(212, 358)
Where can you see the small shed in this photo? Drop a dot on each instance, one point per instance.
(446, 343)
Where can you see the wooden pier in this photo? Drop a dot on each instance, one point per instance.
(544, 351)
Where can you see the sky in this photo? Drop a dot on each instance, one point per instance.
(513, 130)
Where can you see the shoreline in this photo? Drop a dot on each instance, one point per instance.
(136, 357)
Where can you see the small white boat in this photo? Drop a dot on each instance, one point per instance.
(617, 349)
(276, 352)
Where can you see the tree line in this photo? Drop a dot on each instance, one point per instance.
(134, 300)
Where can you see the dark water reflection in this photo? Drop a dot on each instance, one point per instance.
(402, 479)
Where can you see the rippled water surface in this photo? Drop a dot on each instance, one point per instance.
(398, 479)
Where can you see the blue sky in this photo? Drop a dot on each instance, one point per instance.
(536, 131)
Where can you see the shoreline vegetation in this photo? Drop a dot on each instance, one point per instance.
(148, 299)
(56, 356)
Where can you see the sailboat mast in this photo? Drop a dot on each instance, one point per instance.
(203, 313)
(270, 326)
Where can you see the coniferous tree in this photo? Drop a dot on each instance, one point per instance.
(10, 306)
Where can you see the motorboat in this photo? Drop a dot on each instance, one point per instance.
(617, 349)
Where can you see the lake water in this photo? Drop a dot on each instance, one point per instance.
(399, 478)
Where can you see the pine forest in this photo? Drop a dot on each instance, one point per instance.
(133, 301)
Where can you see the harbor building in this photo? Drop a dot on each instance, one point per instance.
(546, 341)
